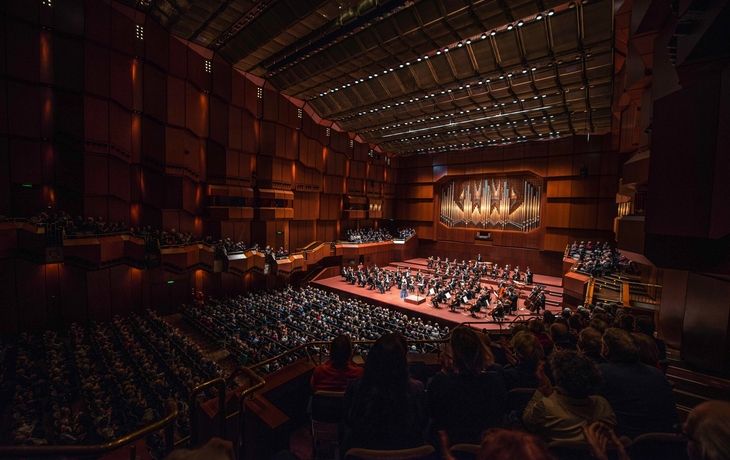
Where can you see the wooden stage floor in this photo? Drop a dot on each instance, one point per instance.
(391, 299)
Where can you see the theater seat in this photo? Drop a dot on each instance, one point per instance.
(465, 451)
(326, 413)
(579, 450)
(417, 453)
(666, 446)
(517, 399)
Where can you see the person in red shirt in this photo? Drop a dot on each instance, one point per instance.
(335, 374)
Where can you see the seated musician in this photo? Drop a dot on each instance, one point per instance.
(440, 297)
(495, 269)
(516, 275)
(343, 273)
(498, 311)
(379, 285)
(455, 302)
(513, 300)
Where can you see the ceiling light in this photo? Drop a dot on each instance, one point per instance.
(425, 56)
(510, 26)
(550, 12)
(533, 69)
(446, 49)
(571, 5)
(501, 77)
(484, 36)
(468, 41)
(520, 23)
(538, 17)
(509, 75)
(419, 59)
(493, 32)
(459, 44)
(438, 52)
(524, 70)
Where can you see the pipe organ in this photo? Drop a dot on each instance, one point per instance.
(497, 203)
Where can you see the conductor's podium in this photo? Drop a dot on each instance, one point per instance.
(415, 300)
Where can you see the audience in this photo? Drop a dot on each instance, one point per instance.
(467, 399)
(528, 353)
(371, 235)
(708, 431)
(559, 415)
(335, 374)
(644, 324)
(640, 395)
(385, 409)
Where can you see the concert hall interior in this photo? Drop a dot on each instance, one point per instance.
(200, 198)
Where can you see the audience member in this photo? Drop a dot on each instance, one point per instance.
(469, 399)
(559, 415)
(335, 374)
(640, 395)
(385, 409)
(708, 431)
(529, 353)
(590, 344)
(644, 324)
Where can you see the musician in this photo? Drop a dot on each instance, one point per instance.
(479, 259)
(528, 276)
(495, 270)
(516, 275)
(498, 312)
(513, 301)
(440, 297)
(541, 299)
(379, 284)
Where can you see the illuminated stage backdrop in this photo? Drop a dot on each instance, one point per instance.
(494, 202)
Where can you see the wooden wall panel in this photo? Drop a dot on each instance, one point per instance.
(31, 296)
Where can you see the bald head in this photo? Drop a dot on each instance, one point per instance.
(708, 426)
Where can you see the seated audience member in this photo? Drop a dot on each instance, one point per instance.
(538, 329)
(501, 444)
(385, 409)
(643, 324)
(640, 395)
(561, 337)
(335, 374)
(599, 325)
(529, 353)
(558, 414)
(471, 398)
(648, 353)
(708, 430)
(590, 344)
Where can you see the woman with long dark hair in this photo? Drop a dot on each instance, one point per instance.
(471, 398)
(385, 409)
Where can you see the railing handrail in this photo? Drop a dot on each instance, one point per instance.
(99, 449)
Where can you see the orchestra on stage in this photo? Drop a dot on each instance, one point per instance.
(457, 285)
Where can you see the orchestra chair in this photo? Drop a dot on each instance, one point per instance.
(667, 446)
(465, 451)
(326, 414)
(579, 450)
(416, 453)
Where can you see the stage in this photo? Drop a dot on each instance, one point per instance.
(391, 299)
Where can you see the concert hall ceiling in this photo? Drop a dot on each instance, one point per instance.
(420, 75)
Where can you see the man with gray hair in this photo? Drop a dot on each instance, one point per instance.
(708, 431)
